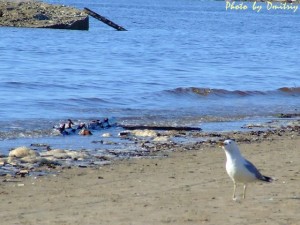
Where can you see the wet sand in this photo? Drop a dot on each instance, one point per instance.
(185, 187)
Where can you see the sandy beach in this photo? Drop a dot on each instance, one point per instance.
(122, 128)
(184, 187)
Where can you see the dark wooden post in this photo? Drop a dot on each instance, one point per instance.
(104, 20)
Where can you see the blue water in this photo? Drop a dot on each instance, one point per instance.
(189, 61)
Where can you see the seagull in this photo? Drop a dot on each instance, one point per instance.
(239, 169)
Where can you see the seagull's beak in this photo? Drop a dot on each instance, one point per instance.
(221, 144)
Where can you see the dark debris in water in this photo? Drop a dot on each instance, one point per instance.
(288, 115)
(156, 127)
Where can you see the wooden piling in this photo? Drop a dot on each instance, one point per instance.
(104, 20)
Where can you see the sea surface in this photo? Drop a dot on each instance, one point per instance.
(190, 63)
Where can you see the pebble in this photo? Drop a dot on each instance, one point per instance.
(106, 135)
(124, 133)
(22, 173)
(161, 139)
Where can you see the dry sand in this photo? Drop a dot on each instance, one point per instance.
(188, 187)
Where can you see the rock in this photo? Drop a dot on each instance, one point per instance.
(65, 154)
(56, 154)
(144, 133)
(29, 159)
(22, 173)
(124, 133)
(106, 135)
(85, 132)
(105, 157)
(101, 163)
(36, 14)
(41, 16)
(37, 159)
(77, 155)
(3, 161)
(21, 152)
(161, 139)
(13, 161)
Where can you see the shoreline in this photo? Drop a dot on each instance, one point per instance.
(39, 155)
(186, 186)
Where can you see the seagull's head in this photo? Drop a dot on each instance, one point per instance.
(230, 146)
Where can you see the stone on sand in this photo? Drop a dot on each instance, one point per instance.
(22, 152)
(144, 133)
(161, 139)
(65, 154)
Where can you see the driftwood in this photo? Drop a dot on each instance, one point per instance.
(144, 127)
(104, 20)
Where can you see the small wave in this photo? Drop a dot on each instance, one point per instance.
(34, 85)
(236, 93)
(14, 84)
(24, 134)
(89, 100)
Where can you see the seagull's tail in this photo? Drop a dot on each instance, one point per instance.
(266, 179)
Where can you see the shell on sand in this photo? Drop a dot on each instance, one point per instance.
(21, 152)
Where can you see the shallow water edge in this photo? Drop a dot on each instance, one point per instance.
(41, 156)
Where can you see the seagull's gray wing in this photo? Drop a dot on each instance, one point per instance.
(252, 169)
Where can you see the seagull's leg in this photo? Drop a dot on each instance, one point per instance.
(234, 188)
(244, 194)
